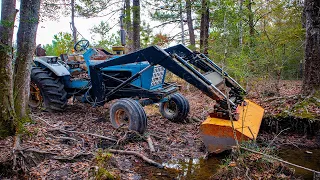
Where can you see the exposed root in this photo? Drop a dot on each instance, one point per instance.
(87, 133)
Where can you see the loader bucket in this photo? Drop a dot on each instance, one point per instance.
(218, 135)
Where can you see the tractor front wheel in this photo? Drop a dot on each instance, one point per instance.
(46, 91)
(130, 113)
(176, 109)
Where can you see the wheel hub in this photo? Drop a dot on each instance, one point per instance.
(170, 107)
(121, 117)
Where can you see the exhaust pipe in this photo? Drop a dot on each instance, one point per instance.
(122, 31)
(119, 50)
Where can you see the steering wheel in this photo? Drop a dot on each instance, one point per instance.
(81, 45)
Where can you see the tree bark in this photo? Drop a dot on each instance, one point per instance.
(192, 38)
(74, 29)
(240, 24)
(204, 26)
(7, 115)
(136, 24)
(128, 23)
(181, 23)
(251, 24)
(26, 38)
(311, 75)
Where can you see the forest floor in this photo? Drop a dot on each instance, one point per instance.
(55, 147)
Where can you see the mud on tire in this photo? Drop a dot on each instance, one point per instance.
(53, 94)
(128, 112)
(176, 109)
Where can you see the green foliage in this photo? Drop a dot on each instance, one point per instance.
(277, 48)
(62, 44)
(146, 34)
(102, 38)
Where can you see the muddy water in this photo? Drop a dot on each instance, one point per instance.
(203, 169)
(309, 158)
(189, 168)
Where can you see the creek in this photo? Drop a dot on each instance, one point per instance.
(203, 169)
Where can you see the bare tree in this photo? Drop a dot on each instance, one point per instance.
(190, 25)
(26, 36)
(136, 24)
(311, 76)
(74, 29)
(7, 114)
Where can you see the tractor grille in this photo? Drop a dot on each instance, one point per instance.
(157, 75)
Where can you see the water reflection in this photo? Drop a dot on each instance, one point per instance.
(189, 168)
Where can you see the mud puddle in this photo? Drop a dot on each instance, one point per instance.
(188, 168)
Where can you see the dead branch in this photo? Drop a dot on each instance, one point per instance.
(122, 138)
(280, 160)
(281, 97)
(150, 143)
(41, 119)
(87, 133)
(139, 155)
(37, 151)
(63, 138)
(72, 158)
(156, 136)
(274, 139)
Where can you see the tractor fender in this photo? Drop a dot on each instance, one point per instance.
(55, 66)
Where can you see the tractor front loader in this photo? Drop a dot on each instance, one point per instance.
(137, 80)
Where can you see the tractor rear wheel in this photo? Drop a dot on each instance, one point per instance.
(46, 91)
(176, 109)
(130, 113)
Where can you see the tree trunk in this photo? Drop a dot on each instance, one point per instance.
(128, 23)
(190, 25)
(240, 23)
(7, 115)
(251, 24)
(136, 25)
(311, 76)
(26, 38)
(181, 22)
(74, 29)
(204, 26)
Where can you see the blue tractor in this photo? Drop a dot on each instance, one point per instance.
(136, 80)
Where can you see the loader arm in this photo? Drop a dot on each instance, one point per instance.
(205, 64)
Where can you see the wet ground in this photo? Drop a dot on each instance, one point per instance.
(203, 169)
(189, 168)
(309, 158)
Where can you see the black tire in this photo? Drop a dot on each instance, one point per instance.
(128, 112)
(176, 109)
(53, 94)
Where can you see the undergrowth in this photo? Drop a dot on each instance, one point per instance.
(241, 164)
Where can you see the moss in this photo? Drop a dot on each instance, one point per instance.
(103, 160)
(104, 174)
